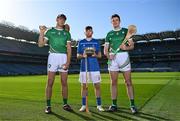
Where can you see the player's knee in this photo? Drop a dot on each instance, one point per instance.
(64, 84)
(128, 83)
(97, 86)
(114, 83)
(50, 83)
(84, 86)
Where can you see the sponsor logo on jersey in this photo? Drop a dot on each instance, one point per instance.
(53, 32)
(111, 34)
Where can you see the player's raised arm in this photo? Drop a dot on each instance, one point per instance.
(130, 46)
(42, 41)
(128, 43)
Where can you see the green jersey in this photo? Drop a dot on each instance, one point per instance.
(57, 39)
(115, 38)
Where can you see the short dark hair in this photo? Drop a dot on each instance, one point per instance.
(62, 16)
(115, 15)
(88, 28)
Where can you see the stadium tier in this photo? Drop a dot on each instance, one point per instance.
(17, 32)
(21, 47)
(153, 52)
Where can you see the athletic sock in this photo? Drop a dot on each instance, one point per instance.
(64, 101)
(132, 103)
(98, 100)
(83, 100)
(48, 103)
(114, 102)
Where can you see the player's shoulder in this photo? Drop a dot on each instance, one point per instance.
(110, 32)
(66, 31)
(95, 40)
(49, 29)
(82, 40)
(124, 29)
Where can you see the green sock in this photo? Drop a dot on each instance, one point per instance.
(114, 102)
(64, 101)
(132, 102)
(48, 103)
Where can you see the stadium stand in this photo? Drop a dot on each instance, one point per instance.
(153, 52)
(7, 30)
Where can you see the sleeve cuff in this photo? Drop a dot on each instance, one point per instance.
(46, 31)
(46, 38)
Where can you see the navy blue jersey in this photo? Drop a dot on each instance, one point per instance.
(93, 64)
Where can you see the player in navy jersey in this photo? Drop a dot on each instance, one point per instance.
(92, 67)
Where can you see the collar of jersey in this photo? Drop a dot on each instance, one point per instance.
(117, 29)
(58, 29)
(89, 39)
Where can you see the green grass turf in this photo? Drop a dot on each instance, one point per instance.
(167, 102)
(23, 97)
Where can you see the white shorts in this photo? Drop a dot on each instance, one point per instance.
(94, 76)
(55, 62)
(121, 62)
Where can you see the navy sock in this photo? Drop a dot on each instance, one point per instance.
(98, 100)
(83, 100)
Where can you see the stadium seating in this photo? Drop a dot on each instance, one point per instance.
(21, 47)
(21, 69)
(152, 52)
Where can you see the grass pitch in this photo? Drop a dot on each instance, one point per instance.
(23, 98)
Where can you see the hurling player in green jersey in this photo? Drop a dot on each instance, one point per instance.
(117, 52)
(59, 41)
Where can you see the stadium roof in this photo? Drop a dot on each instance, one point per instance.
(161, 36)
